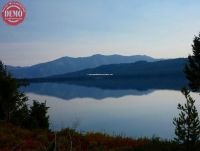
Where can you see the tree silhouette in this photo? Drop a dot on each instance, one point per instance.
(11, 100)
(187, 124)
(192, 69)
(38, 115)
(13, 107)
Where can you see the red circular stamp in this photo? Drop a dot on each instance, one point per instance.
(13, 13)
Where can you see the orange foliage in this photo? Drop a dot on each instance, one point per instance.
(18, 139)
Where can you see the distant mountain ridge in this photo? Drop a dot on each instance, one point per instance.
(69, 64)
(163, 68)
(142, 75)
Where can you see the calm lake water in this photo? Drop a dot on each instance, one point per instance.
(128, 112)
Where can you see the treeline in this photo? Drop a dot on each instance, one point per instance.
(14, 107)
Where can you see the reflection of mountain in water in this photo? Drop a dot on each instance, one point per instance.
(100, 89)
(136, 83)
(68, 91)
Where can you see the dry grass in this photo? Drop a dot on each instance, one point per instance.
(14, 138)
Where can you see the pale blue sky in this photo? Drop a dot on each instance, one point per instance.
(56, 28)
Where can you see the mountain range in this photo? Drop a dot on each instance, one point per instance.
(140, 69)
(141, 75)
(108, 72)
(68, 64)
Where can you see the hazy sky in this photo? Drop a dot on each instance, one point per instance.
(55, 28)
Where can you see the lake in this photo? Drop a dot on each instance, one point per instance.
(126, 112)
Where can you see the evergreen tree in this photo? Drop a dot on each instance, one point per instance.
(11, 99)
(38, 115)
(13, 107)
(192, 69)
(187, 124)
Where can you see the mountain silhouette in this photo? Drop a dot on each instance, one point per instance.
(69, 64)
(165, 74)
(163, 68)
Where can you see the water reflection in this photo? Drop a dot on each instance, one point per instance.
(131, 115)
(68, 91)
(128, 112)
(103, 88)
